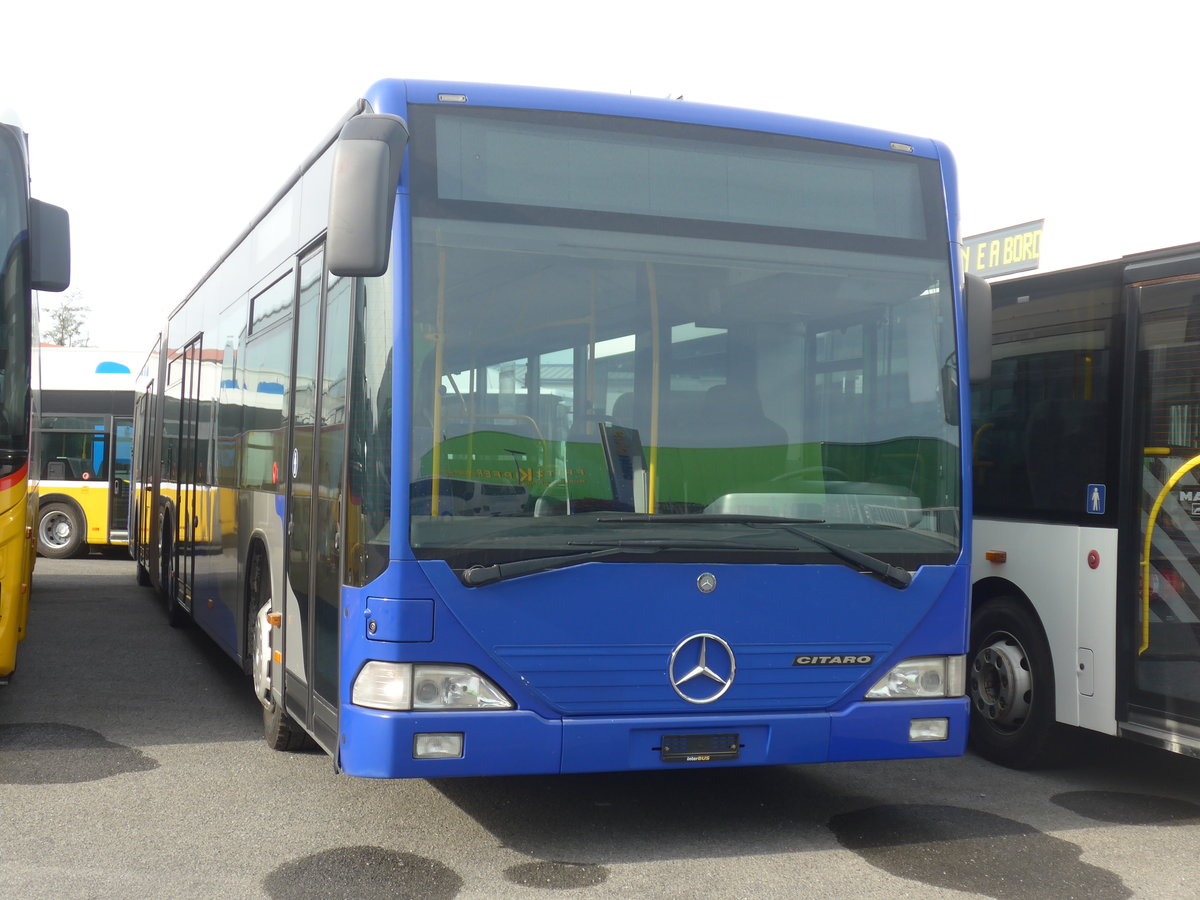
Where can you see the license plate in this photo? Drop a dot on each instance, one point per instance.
(699, 748)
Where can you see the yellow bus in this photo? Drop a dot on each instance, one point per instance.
(34, 256)
(85, 441)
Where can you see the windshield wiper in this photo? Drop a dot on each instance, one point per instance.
(477, 575)
(888, 574)
(885, 571)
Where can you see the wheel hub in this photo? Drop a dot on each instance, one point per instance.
(56, 530)
(261, 664)
(1001, 683)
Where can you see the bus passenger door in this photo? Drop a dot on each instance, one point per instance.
(189, 474)
(1163, 652)
(315, 489)
(119, 475)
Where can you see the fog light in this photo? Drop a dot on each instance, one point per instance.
(437, 746)
(928, 729)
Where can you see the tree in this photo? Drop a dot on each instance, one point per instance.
(67, 321)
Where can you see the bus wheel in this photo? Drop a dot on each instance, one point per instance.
(279, 729)
(1010, 680)
(60, 533)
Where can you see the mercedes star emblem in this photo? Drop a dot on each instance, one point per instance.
(707, 583)
(701, 662)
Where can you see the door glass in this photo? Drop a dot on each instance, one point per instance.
(327, 531)
(301, 458)
(192, 457)
(122, 466)
(1167, 628)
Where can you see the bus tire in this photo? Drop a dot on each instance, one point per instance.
(143, 576)
(279, 729)
(1010, 681)
(60, 531)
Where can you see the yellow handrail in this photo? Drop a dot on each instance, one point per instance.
(1145, 563)
(979, 464)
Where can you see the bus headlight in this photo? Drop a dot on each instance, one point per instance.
(455, 687)
(424, 686)
(922, 677)
(383, 685)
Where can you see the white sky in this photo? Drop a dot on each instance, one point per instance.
(163, 128)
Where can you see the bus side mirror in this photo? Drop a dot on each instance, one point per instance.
(50, 246)
(979, 328)
(362, 195)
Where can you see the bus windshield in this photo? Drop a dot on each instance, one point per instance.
(14, 294)
(747, 326)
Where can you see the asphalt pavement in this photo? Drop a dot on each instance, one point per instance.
(132, 766)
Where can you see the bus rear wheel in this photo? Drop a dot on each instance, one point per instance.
(1010, 680)
(60, 532)
(279, 729)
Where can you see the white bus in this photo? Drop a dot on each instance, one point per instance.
(1086, 565)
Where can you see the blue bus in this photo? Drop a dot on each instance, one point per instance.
(537, 431)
